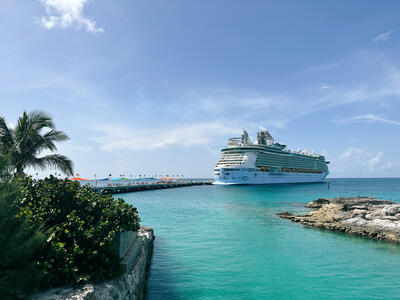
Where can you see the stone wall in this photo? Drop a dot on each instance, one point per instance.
(129, 286)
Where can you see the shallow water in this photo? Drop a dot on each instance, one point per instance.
(226, 242)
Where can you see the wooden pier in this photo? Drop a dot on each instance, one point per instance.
(118, 189)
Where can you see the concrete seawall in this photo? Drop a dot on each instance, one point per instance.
(130, 286)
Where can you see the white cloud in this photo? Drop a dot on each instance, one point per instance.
(354, 161)
(277, 109)
(65, 13)
(351, 152)
(76, 148)
(232, 106)
(366, 118)
(248, 102)
(244, 108)
(322, 67)
(114, 138)
(77, 90)
(383, 37)
(374, 162)
(383, 87)
(378, 81)
(325, 87)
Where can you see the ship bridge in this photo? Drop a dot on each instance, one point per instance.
(231, 159)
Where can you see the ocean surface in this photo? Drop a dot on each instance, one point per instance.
(226, 242)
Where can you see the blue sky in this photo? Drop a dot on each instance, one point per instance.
(157, 87)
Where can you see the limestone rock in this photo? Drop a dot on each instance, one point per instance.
(362, 216)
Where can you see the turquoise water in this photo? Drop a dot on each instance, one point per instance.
(216, 242)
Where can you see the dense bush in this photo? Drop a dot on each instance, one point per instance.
(19, 241)
(80, 228)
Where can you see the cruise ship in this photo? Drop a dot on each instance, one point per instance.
(267, 162)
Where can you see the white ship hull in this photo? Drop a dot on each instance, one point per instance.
(246, 177)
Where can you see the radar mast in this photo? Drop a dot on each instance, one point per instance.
(245, 138)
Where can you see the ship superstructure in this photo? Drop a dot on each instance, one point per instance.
(264, 162)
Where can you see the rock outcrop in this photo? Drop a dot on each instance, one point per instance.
(129, 286)
(362, 216)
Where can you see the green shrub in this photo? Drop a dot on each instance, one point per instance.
(80, 227)
(19, 241)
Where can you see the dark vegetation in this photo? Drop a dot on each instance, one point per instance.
(19, 241)
(80, 227)
(53, 232)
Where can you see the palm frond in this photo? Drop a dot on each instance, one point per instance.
(28, 133)
(31, 124)
(21, 129)
(6, 137)
(38, 119)
(54, 160)
(29, 140)
(56, 136)
(48, 141)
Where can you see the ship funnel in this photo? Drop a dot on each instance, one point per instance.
(264, 137)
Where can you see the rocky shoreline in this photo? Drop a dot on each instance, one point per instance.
(361, 216)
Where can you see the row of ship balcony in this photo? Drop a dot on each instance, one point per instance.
(275, 170)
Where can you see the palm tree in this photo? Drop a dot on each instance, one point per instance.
(27, 140)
